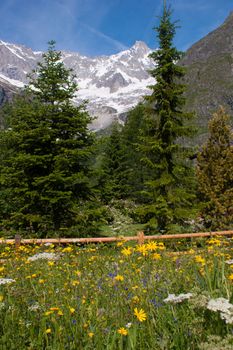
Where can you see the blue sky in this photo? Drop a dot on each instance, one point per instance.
(103, 27)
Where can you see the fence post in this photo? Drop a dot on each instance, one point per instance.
(140, 237)
(17, 241)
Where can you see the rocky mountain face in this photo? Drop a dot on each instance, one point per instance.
(209, 77)
(112, 84)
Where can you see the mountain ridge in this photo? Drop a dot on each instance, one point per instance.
(112, 84)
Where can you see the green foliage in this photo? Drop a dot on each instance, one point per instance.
(215, 173)
(45, 152)
(169, 186)
(114, 167)
(131, 133)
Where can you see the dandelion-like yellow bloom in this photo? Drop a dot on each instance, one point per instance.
(119, 278)
(140, 314)
(75, 283)
(230, 277)
(90, 334)
(122, 331)
(72, 310)
(156, 256)
(1, 298)
(214, 241)
(142, 249)
(51, 263)
(199, 259)
(48, 331)
(127, 251)
(67, 250)
(152, 246)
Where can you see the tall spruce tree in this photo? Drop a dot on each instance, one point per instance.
(169, 190)
(44, 170)
(215, 173)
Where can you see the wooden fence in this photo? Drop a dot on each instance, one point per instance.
(140, 238)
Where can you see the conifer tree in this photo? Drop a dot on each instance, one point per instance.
(113, 179)
(215, 173)
(169, 190)
(44, 173)
(131, 133)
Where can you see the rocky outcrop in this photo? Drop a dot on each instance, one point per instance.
(209, 77)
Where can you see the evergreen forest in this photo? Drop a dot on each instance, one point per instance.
(59, 178)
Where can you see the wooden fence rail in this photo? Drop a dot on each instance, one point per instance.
(141, 238)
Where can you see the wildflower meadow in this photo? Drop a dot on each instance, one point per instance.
(118, 296)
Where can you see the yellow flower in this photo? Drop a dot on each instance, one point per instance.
(143, 249)
(135, 287)
(1, 298)
(199, 259)
(41, 281)
(75, 283)
(140, 314)
(127, 251)
(156, 256)
(72, 310)
(152, 246)
(48, 331)
(51, 263)
(119, 278)
(47, 313)
(67, 249)
(161, 246)
(230, 277)
(54, 308)
(90, 334)
(135, 299)
(2, 269)
(122, 331)
(60, 313)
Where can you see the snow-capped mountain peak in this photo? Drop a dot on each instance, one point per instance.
(112, 84)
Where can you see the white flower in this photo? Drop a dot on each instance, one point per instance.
(34, 307)
(45, 256)
(219, 304)
(2, 306)
(6, 280)
(128, 325)
(229, 262)
(225, 308)
(227, 316)
(175, 299)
